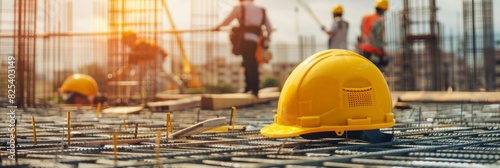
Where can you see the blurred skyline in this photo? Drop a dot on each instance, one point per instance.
(290, 19)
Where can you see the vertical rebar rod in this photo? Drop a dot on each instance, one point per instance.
(68, 120)
(472, 115)
(33, 123)
(233, 118)
(474, 52)
(420, 116)
(15, 140)
(136, 130)
(461, 113)
(115, 148)
(18, 7)
(157, 148)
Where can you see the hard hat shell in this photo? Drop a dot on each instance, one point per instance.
(128, 33)
(80, 83)
(337, 9)
(332, 91)
(382, 4)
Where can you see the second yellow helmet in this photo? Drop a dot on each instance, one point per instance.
(382, 4)
(80, 83)
(337, 9)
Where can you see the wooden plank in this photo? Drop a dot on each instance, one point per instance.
(451, 97)
(223, 101)
(123, 110)
(172, 105)
(226, 128)
(269, 90)
(123, 83)
(172, 95)
(167, 96)
(395, 96)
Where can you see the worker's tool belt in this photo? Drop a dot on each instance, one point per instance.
(253, 29)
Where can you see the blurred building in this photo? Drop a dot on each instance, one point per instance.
(479, 44)
(219, 70)
(422, 63)
(281, 70)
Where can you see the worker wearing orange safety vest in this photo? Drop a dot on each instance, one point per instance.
(372, 35)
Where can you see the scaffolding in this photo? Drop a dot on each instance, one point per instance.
(204, 14)
(139, 16)
(479, 45)
(422, 64)
(39, 33)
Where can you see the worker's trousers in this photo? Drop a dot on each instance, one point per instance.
(251, 67)
(375, 58)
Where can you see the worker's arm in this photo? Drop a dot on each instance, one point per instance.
(378, 35)
(333, 30)
(233, 15)
(361, 27)
(269, 27)
(325, 31)
(161, 51)
(119, 72)
(383, 42)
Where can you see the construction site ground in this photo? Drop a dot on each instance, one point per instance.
(428, 134)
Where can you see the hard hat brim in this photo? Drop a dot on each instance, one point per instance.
(282, 131)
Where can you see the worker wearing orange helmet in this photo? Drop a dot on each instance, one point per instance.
(338, 32)
(372, 35)
(81, 89)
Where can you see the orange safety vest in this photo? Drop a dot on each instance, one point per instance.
(367, 43)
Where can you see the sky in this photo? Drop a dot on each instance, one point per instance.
(289, 22)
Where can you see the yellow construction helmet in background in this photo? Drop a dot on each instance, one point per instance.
(382, 4)
(128, 33)
(129, 36)
(332, 91)
(337, 9)
(80, 83)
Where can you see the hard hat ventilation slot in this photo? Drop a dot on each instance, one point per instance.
(357, 97)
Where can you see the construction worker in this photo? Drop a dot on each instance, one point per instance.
(372, 35)
(338, 32)
(143, 53)
(81, 89)
(254, 18)
(147, 58)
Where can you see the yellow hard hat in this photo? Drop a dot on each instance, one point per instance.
(332, 91)
(128, 33)
(382, 4)
(337, 9)
(80, 83)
